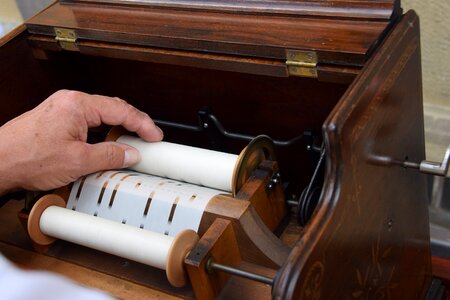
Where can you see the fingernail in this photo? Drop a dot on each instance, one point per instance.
(160, 130)
(131, 157)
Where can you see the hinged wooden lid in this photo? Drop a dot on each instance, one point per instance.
(337, 32)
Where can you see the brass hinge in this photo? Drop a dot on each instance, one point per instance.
(66, 38)
(301, 63)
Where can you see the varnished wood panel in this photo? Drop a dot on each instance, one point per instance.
(219, 244)
(441, 270)
(174, 57)
(375, 9)
(26, 81)
(371, 225)
(337, 41)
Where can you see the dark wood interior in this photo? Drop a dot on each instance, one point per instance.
(282, 108)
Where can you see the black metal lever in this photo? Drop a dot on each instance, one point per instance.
(209, 123)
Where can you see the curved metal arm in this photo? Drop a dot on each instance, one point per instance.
(208, 121)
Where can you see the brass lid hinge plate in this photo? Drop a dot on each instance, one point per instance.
(67, 39)
(301, 63)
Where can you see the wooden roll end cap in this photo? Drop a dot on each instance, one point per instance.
(115, 133)
(259, 149)
(35, 216)
(181, 246)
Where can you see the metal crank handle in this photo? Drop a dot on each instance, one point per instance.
(425, 166)
(431, 167)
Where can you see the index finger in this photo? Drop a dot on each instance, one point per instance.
(114, 111)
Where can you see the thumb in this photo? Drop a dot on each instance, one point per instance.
(110, 155)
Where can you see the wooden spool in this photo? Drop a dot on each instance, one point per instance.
(259, 149)
(174, 265)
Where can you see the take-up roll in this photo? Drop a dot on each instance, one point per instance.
(144, 217)
(49, 220)
(218, 170)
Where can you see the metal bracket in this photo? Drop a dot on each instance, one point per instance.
(212, 265)
(273, 181)
(302, 63)
(66, 38)
(425, 166)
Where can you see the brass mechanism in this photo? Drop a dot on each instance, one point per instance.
(301, 63)
(66, 38)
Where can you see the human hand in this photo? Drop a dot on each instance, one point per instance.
(45, 148)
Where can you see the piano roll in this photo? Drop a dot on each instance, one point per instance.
(185, 163)
(150, 218)
(149, 202)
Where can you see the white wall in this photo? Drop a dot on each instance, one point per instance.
(435, 42)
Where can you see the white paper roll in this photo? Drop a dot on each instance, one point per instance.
(133, 243)
(195, 165)
(157, 204)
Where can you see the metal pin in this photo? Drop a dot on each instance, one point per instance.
(292, 202)
(211, 265)
(410, 164)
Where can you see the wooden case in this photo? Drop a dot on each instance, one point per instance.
(346, 73)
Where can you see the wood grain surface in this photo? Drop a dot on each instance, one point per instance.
(336, 40)
(371, 224)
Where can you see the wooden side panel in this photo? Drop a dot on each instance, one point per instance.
(25, 81)
(16, 62)
(219, 244)
(369, 237)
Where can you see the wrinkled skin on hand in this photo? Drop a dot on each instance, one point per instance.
(45, 148)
